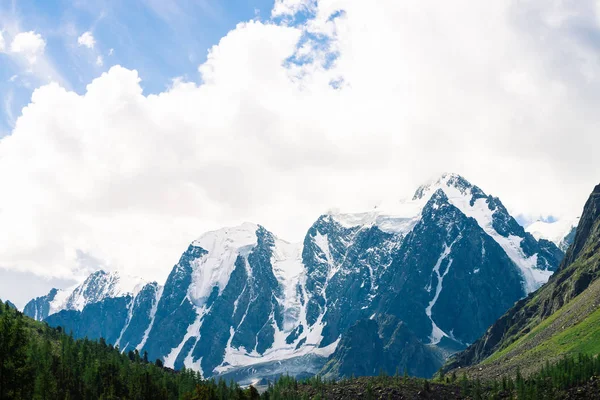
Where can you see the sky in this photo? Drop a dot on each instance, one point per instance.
(127, 129)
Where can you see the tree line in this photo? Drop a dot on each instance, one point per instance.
(39, 362)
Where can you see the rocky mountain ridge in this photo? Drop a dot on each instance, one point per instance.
(437, 270)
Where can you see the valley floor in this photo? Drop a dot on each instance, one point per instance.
(570, 378)
(375, 388)
(365, 388)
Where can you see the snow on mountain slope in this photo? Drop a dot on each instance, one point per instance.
(152, 316)
(494, 220)
(240, 296)
(492, 217)
(96, 287)
(555, 232)
(397, 217)
(60, 300)
(436, 333)
(211, 268)
(214, 269)
(295, 338)
(289, 271)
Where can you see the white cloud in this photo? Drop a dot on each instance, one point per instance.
(291, 7)
(111, 52)
(491, 90)
(87, 39)
(2, 43)
(99, 61)
(31, 45)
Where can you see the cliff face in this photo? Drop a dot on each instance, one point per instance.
(386, 345)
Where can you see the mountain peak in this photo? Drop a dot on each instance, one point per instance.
(446, 180)
(230, 237)
(223, 247)
(99, 285)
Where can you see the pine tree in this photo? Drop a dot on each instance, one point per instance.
(15, 377)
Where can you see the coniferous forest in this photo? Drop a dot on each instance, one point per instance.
(39, 362)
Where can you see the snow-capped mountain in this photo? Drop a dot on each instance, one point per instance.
(431, 274)
(97, 287)
(561, 232)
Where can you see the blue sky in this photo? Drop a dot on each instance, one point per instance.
(160, 39)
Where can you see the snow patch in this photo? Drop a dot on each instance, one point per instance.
(97, 287)
(436, 333)
(159, 292)
(396, 217)
(214, 269)
(60, 300)
(553, 231)
(288, 269)
(192, 331)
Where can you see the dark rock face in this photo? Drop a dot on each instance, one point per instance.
(248, 305)
(360, 352)
(318, 260)
(359, 257)
(371, 347)
(39, 307)
(104, 319)
(568, 240)
(584, 232)
(175, 312)
(550, 252)
(476, 279)
(139, 316)
(215, 329)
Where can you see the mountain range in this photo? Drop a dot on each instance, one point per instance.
(396, 288)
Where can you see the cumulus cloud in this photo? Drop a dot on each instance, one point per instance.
(86, 39)
(28, 44)
(99, 61)
(344, 110)
(2, 43)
